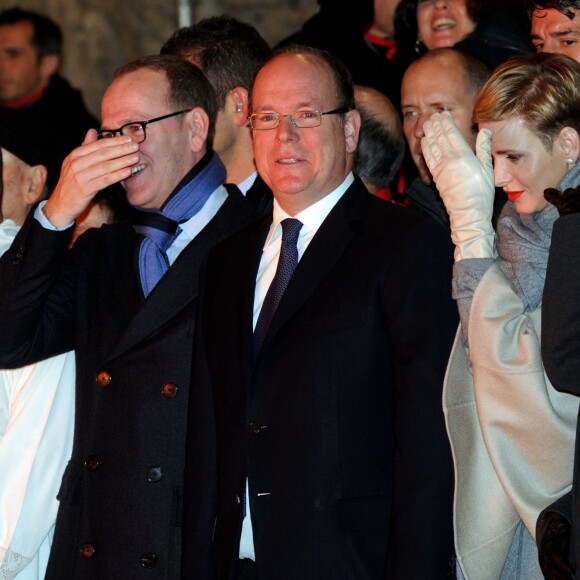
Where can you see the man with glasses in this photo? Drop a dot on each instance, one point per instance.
(322, 341)
(124, 300)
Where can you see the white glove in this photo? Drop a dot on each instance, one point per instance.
(465, 183)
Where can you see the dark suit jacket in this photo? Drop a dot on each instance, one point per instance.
(338, 423)
(120, 511)
(561, 344)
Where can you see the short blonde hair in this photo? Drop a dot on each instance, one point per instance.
(543, 89)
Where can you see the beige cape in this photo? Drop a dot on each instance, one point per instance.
(512, 434)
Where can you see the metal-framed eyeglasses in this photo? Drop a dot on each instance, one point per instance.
(299, 119)
(136, 129)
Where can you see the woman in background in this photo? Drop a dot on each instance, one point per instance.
(491, 30)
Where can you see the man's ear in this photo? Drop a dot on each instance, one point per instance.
(351, 130)
(239, 97)
(35, 184)
(199, 122)
(49, 65)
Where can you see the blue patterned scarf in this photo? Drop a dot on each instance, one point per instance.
(160, 228)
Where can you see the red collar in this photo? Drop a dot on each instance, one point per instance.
(388, 44)
(25, 101)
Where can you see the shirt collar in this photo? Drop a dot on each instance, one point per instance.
(311, 217)
(244, 185)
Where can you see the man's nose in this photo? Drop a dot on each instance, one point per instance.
(286, 130)
(422, 118)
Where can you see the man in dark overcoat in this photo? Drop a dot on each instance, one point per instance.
(324, 395)
(124, 300)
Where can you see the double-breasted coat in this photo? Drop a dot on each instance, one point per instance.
(121, 494)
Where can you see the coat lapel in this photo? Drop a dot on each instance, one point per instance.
(120, 245)
(246, 269)
(179, 287)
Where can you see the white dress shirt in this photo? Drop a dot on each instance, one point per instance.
(311, 218)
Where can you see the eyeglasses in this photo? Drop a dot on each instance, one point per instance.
(299, 119)
(136, 129)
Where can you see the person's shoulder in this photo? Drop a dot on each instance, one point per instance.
(93, 239)
(404, 232)
(237, 212)
(252, 227)
(63, 99)
(397, 219)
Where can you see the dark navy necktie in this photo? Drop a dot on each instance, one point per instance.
(286, 265)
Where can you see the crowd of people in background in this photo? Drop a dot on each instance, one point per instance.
(304, 312)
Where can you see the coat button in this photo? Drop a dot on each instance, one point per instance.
(169, 390)
(87, 551)
(155, 474)
(256, 427)
(148, 560)
(103, 379)
(92, 463)
(238, 500)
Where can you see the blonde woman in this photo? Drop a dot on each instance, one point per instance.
(512, 434)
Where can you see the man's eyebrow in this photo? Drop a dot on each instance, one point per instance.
(567, 32)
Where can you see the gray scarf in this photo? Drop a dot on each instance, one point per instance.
(523, 244)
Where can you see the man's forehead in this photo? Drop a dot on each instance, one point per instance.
(19, 33)
(568, 14)
(436, 83)
(439, 68)
(140, 81)
(305, 79)
(135, 96)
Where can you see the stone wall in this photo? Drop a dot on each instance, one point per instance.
(100, 35)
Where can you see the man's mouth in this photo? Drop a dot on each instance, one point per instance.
(137, 169)
(288, 160)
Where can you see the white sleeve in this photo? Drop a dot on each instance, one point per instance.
(36, 430)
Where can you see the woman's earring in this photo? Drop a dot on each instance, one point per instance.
(418, 46)
(570, 161)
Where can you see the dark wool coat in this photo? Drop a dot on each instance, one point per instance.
(338, 423)
(121, 494)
